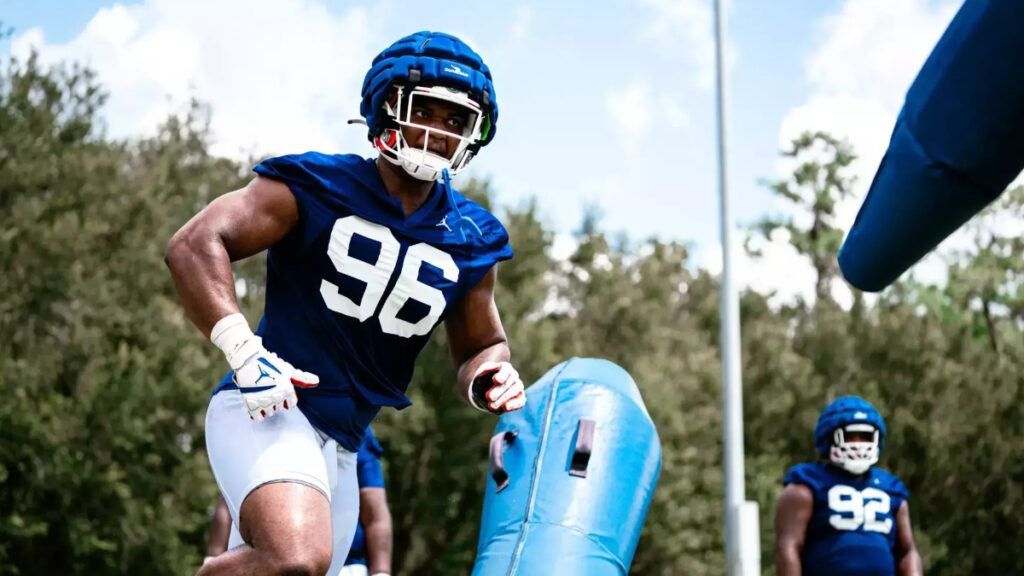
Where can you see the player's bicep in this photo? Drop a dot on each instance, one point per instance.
(792, 514)
(249, 220)
(473, 323)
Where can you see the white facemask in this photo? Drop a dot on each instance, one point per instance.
(854, 457)
(420, 162)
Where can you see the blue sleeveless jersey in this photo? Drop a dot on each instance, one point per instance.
(355, 289)
(852, 531)
(370, 475)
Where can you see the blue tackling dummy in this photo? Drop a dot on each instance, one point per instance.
(956, 146)
(571, 476)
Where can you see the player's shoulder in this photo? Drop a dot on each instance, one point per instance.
(889, 482)
(812, 474)
(483, 217)
(335, 183)
(481, 239)
(311, 165)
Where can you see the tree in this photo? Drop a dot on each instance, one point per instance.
(818, 183)
(989, 277)
(104, 379)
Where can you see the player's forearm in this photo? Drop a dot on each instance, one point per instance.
(220, 529)
(201, 269)
(215, 545)
(495, 352)
(911, 564)
(787, 562)
(379, 546)
(220, 533)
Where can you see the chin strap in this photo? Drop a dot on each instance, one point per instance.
(461, 222)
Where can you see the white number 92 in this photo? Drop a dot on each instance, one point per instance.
(864, 508)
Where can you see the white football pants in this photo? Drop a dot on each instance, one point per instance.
(245, 455)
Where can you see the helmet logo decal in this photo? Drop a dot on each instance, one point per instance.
(860, 415)
(452, 68)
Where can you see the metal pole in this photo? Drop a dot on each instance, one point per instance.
(742, 554)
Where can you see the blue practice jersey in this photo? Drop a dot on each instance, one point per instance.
(852, 531)
(371, 475)
(355, 289)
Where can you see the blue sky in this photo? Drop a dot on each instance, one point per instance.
(602, 102)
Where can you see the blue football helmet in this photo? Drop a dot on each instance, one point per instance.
(845, 415)
(428, 65)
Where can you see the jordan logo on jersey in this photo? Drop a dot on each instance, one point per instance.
(443, 223)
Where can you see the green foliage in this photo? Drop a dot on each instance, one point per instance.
(105, 381)
(818, 183)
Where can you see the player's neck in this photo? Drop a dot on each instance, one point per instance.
(401, 186)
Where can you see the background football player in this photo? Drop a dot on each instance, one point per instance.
(370, 553)
(364, 258)
(842, 516)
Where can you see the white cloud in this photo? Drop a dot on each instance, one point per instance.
(779, 270)
(859, 74)
(563, 246)
(686, 22)
(873, 49)
(632, 110)
(280, 75)
(639, 116)
(521, 23)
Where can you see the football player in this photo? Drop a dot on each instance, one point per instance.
(370, 553)
(842, 516)
(365, 257)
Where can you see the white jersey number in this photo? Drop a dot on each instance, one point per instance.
(377, 275)
(863, 507)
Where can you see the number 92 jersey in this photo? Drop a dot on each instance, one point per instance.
(852, 530)
(355, 288)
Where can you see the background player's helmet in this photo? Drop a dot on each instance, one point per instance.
(850, 414)
(428, 65)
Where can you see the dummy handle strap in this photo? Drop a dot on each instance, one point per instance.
(498, 472)
(584, 446)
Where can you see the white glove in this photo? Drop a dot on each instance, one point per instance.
(496, 388)
(267, 382)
